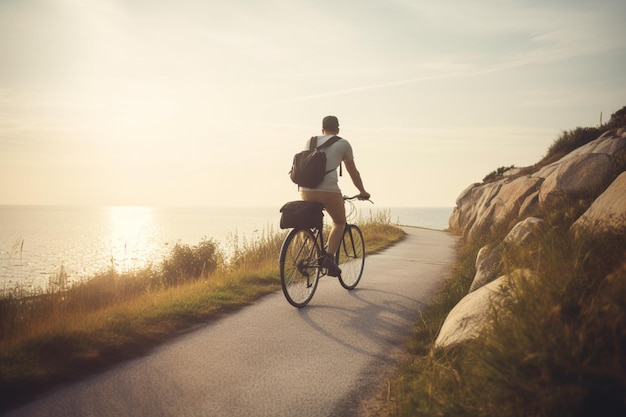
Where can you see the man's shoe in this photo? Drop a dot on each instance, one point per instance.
(331, 266)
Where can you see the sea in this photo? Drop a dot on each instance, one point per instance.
(38, 242)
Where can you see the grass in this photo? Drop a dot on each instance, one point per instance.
(556, 347)
(69, 332)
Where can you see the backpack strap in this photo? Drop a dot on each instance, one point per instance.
(325, 144)
(313, 145)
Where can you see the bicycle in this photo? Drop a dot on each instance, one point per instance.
(302, 253)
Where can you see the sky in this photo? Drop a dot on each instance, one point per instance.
(205, 102)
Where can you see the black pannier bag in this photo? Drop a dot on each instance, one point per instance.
(301, 215)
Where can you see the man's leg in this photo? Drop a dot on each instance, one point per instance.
(334, 239)
(333, 202)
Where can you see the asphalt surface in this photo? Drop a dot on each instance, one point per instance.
(271, 359)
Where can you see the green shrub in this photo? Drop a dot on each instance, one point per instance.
(191, 262)
(618, 119)
(497, 173)
(571, 140)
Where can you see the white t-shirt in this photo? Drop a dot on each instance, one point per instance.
(335, 153)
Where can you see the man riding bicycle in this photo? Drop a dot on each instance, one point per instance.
(328, 192)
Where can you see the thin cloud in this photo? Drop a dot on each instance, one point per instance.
(546, 47)
(371, 87)
(457, 74)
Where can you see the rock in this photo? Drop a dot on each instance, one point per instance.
(469, 317)
(608, 211)
(584, 172)
(609, 143)
(529, 204)
(582, 176)
(489, 258)
(482, 207)
(488, 265)
(471, 204)
(523, 231)
(459, 218)
(505, 205)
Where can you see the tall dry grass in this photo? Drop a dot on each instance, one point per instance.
(75, 329)
(557, 347)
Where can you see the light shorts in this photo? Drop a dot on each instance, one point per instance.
(332, 201)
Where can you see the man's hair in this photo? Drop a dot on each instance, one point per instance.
(330, 123)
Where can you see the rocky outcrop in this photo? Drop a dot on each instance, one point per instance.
(583, 173)
(587, 173)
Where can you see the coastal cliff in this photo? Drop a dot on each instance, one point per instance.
(583, 185)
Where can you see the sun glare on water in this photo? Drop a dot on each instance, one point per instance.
(133, 236)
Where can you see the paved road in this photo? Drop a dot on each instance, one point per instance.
(271, 359)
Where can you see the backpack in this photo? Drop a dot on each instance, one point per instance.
(309, 167)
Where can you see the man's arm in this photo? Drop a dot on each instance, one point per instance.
(356, 178)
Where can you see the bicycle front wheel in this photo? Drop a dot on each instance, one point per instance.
(351, 256)
(299, 266)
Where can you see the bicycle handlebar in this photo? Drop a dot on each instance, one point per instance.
(357, 197)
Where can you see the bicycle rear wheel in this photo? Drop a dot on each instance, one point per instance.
(351, 256)
(299, 266)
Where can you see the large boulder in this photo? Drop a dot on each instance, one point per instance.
(523, 231)
(609, 143)
(583, 173)
(505, 204)
(470, 316)
(482, 207)
(608, 212)
(581, 176)
(489, 263)
(470, 205)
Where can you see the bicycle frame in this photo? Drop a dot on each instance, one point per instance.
(302, 255)
(319, 238)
